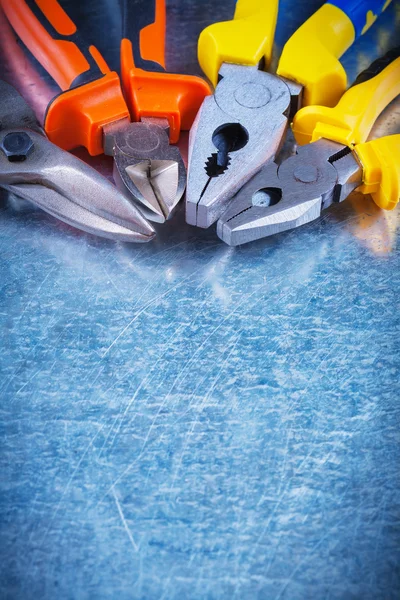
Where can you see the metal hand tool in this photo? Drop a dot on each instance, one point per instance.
(329, 168)
(92, 111)
(58, 182)
(244, 124)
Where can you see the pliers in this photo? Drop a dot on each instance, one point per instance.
(137, 123)
(244, 124)
(334, 162)
(58, 182)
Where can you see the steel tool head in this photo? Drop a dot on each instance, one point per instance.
(147, 166)
(58, 182)
(235, 133)
(284, 197)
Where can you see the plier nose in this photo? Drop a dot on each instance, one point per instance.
(281, 197)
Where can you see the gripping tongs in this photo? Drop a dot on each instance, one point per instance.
(335, 160)
(244, 124)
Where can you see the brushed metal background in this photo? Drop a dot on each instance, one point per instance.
(187, 420)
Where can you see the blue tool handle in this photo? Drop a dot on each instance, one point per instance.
(362, 13)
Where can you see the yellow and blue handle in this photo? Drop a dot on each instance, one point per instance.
(350, 121)
(246, 40)
(362, 13)
(311, 55)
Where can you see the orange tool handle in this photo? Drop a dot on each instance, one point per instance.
(151, 92)
(91, 95)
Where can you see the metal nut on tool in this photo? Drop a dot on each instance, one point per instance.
(17, 146)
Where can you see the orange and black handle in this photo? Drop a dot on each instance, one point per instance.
(91, 94)
(150, 91)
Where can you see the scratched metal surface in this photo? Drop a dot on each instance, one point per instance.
(186, 420)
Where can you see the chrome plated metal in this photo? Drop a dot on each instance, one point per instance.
(283, 197)
(146, 165)
(258, 105)
(59, 182)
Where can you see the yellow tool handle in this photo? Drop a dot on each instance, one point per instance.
(381, 165)
(350, 122)
(310, 57)
(246, 40)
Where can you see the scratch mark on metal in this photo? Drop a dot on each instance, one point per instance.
(36, 293)
(143, 309)
(68, 485)
(125, 524)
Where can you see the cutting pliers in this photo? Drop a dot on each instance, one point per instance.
(334, 161)
(58, 182)
(137, 123)
(244, 123)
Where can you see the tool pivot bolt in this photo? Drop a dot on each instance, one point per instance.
(306, 173)
(17, 146)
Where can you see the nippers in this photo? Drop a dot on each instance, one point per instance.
(135, 123)
(58, 182)
(335, 161)
(243, 125)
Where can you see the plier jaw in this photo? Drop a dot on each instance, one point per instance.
(308, 72)
(228, 138)
(284, 197)
(146, 166)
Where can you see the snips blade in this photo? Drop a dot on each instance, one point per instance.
(147, 166)
(58, 182)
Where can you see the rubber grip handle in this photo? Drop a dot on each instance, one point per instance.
(149, 90)
(362, 13)
(381, 170)
(351, 121)
(144, 26)
(377, 66)
(91, 96)
(246, 40)
(53, 39)
(311, 55)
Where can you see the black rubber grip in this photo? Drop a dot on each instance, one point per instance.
(93, 72)
(136, 15)
(378, 66)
